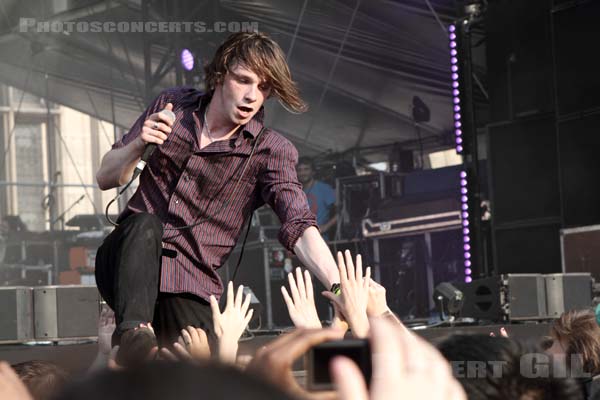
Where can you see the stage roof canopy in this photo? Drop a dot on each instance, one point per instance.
(358, 63)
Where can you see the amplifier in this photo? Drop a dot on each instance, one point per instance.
(62, 312)
(565, 292)
(16, 314)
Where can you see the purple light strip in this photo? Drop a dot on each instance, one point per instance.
(455, 85)
(464, 200)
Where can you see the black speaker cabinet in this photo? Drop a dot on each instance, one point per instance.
(575, 35)
(578, 144)
(523, 165)
(510, 297)
(519, 58)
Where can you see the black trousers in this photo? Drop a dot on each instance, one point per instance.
(128, 276)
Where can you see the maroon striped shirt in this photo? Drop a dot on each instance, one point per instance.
(183, 185)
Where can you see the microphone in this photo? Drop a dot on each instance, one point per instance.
(150, 147)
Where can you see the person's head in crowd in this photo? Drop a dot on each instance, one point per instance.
(498, 368)
(43, 379)
(305, 170)
(162, 380)
(576, 333)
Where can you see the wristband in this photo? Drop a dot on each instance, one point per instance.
(336, 289)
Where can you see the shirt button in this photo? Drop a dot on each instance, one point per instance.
(176, 201)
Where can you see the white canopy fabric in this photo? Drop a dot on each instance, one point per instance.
(358, 63)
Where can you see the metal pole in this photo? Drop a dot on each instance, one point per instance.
(471, 158)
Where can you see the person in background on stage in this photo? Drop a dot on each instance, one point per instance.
(321, 197)
(199, 179)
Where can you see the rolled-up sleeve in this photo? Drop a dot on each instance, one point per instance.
(281, 190)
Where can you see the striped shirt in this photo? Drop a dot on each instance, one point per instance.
(183, 185)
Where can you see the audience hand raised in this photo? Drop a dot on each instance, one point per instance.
(301, 304)
(230, 324)
(106, 327)
(192, 346)
(352, 302)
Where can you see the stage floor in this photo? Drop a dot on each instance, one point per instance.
(77, 357)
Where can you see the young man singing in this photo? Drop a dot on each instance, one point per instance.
(213, 166)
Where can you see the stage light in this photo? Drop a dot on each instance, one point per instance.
(464, 200)
(448, 298)
(187, 59)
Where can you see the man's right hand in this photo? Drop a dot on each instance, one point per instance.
(157, 127)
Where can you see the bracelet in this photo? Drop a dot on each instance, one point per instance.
(336, 289)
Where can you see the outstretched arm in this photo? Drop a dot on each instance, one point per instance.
(313, 252)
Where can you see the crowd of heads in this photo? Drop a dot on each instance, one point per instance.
(561, 365)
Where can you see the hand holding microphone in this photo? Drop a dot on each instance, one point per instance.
(154, 133)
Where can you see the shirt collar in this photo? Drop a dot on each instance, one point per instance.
(253, 127)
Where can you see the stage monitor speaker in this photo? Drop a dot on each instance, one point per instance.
(523, 165)
(16, 314)
(566, 292)
(528, 249)
(578, 144)
(63, 312)
(576, 37)
(519, 58)
(510, 297)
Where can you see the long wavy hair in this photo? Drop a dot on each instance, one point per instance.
(262, 55)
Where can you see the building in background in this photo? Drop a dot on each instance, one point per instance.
(48, 159)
